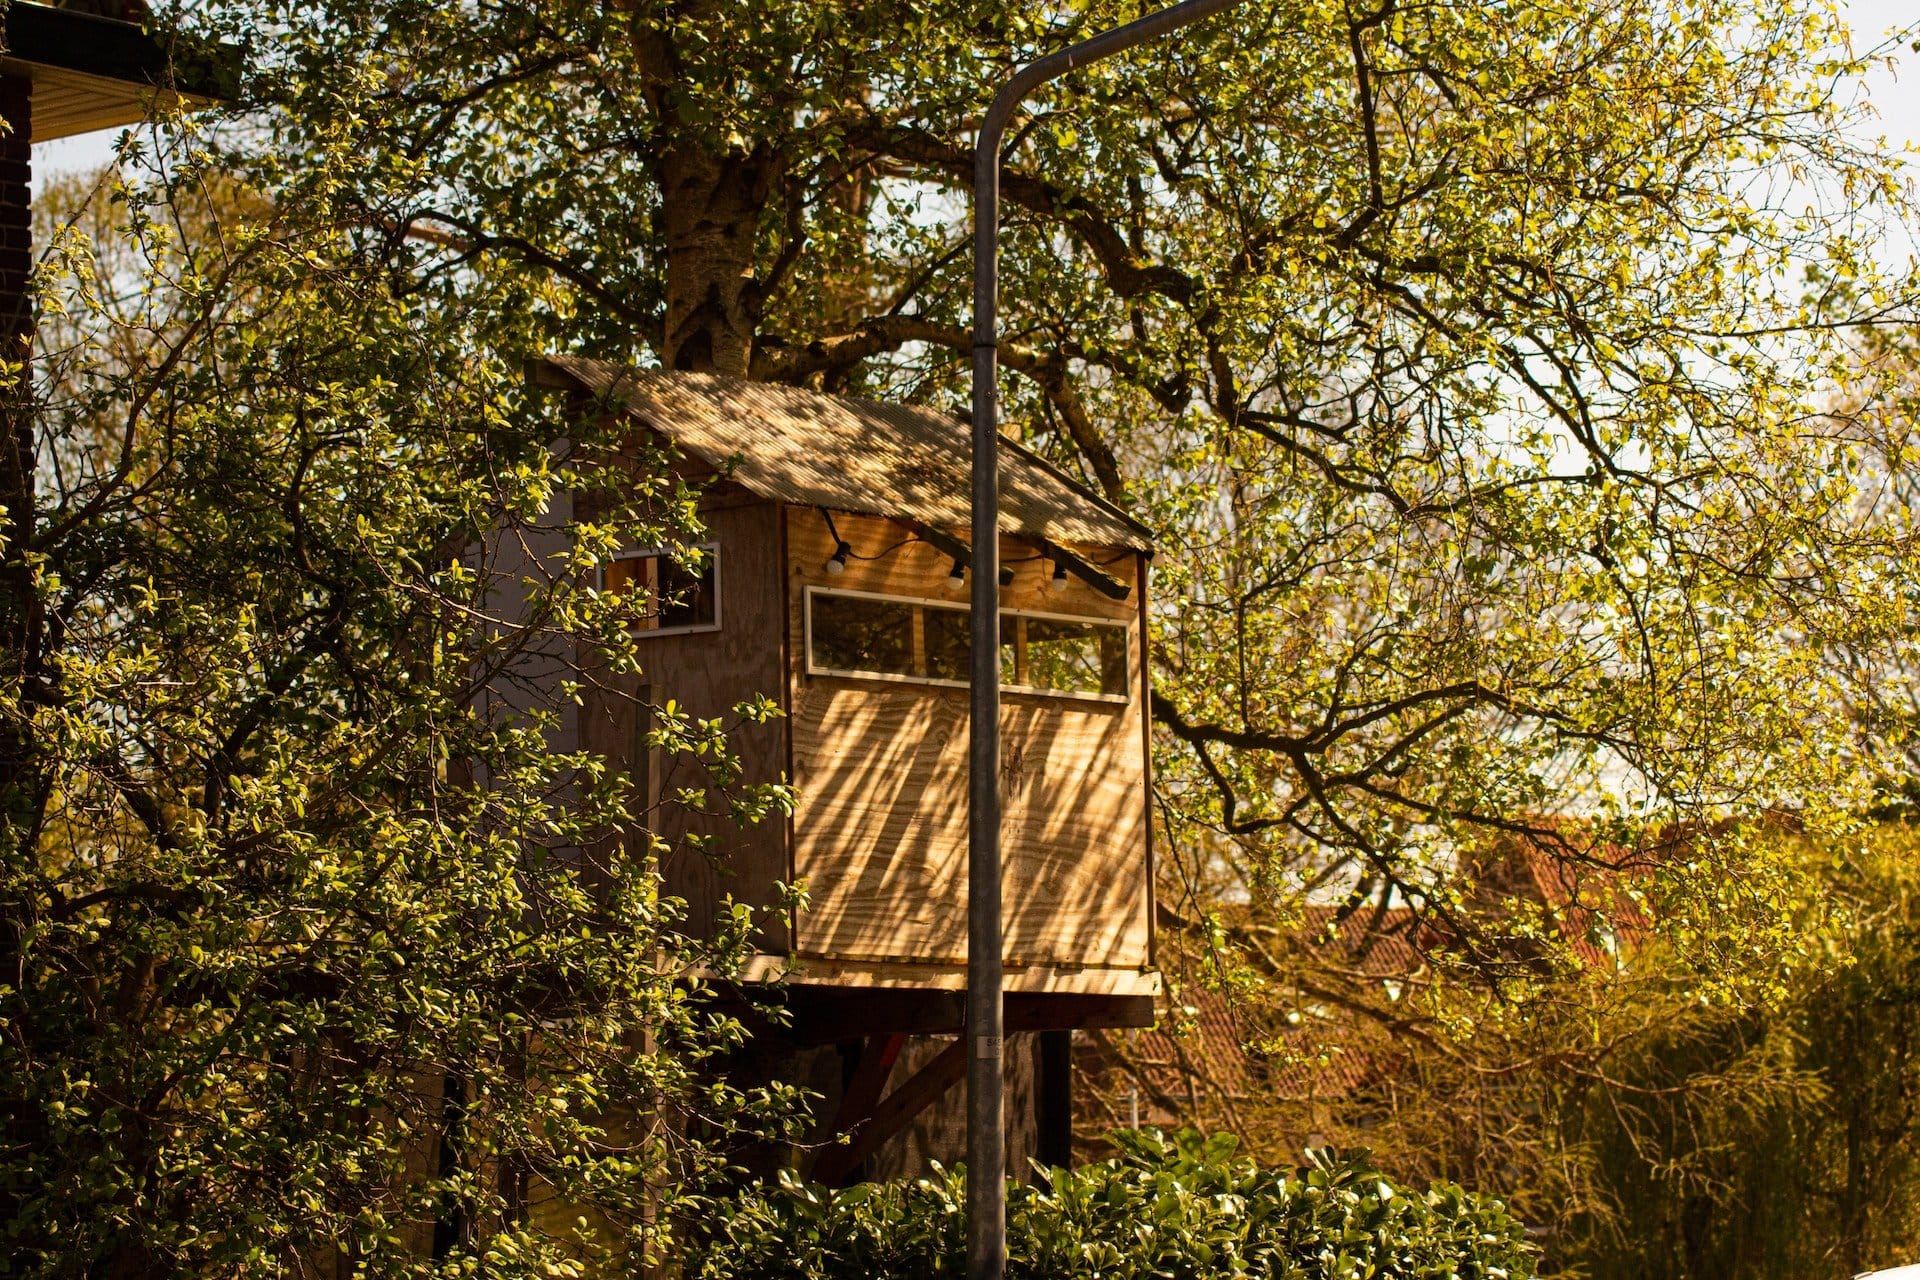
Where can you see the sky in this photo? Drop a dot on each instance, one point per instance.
(1893, 92)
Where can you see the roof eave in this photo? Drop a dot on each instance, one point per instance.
(91, 72)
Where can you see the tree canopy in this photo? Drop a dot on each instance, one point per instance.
(1472, 363)
(1469, 362)
(299, 889)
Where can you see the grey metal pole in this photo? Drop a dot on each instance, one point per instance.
(986, 1132)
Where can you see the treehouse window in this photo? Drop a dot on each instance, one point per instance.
(863, 633)
(1069, 655)
(949, 644)
(667, 595)
(887, 637)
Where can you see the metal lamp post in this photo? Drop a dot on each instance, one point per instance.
(986, 1134)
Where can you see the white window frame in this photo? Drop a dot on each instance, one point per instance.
(922, 602)
(641, 553)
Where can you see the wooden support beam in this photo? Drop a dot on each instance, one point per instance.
(828, 1015)
(947, 544)
(894, 1114)
(833, 1014)
(1105, 583)
(1071, 1011)
(869, 1081)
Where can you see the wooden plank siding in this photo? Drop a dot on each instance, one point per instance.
(881, 833)
(707, 672)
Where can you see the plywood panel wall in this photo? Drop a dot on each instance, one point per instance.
(880, 832)
(706, 673)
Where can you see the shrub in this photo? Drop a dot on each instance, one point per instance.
(1168, 1206)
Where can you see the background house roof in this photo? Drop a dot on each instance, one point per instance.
(845, 454)
(94, 66)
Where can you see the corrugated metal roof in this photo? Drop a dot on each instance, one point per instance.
(853, 455)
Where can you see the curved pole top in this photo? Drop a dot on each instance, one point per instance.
(985, 1026)
(1036, 73)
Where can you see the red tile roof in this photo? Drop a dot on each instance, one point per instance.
(1216, 1050)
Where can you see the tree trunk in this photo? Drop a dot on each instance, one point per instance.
(712, 208)
(712, 197)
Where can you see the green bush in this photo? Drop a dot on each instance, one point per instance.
(1171, 1206)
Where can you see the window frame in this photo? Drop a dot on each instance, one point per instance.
(642, 553)
(920, 603)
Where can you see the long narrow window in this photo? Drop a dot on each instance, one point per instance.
(851, 633)
(664, 594)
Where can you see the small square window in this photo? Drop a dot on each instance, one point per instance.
(665, 593)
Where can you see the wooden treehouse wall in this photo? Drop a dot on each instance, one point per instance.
(706, 673)
(881, 767)
(879, 834)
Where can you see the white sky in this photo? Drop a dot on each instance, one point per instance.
(1895, 93)
(83, 151)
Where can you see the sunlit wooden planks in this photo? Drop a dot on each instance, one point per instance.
(880, 834)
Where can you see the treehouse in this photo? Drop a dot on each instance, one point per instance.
(832, 579)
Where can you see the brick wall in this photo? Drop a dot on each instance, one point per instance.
(16, 215)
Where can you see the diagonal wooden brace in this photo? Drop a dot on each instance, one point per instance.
(870, 1074)
(893, 1114)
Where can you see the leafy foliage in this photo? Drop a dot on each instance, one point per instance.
(1465, 361)
(1464, 357)
(322, 943)
(1812, 1168)
(1176, 1206)
(1638, 1127)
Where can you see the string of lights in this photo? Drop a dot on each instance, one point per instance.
(1066, 564)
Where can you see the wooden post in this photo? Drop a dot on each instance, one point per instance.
(1054, 1102)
